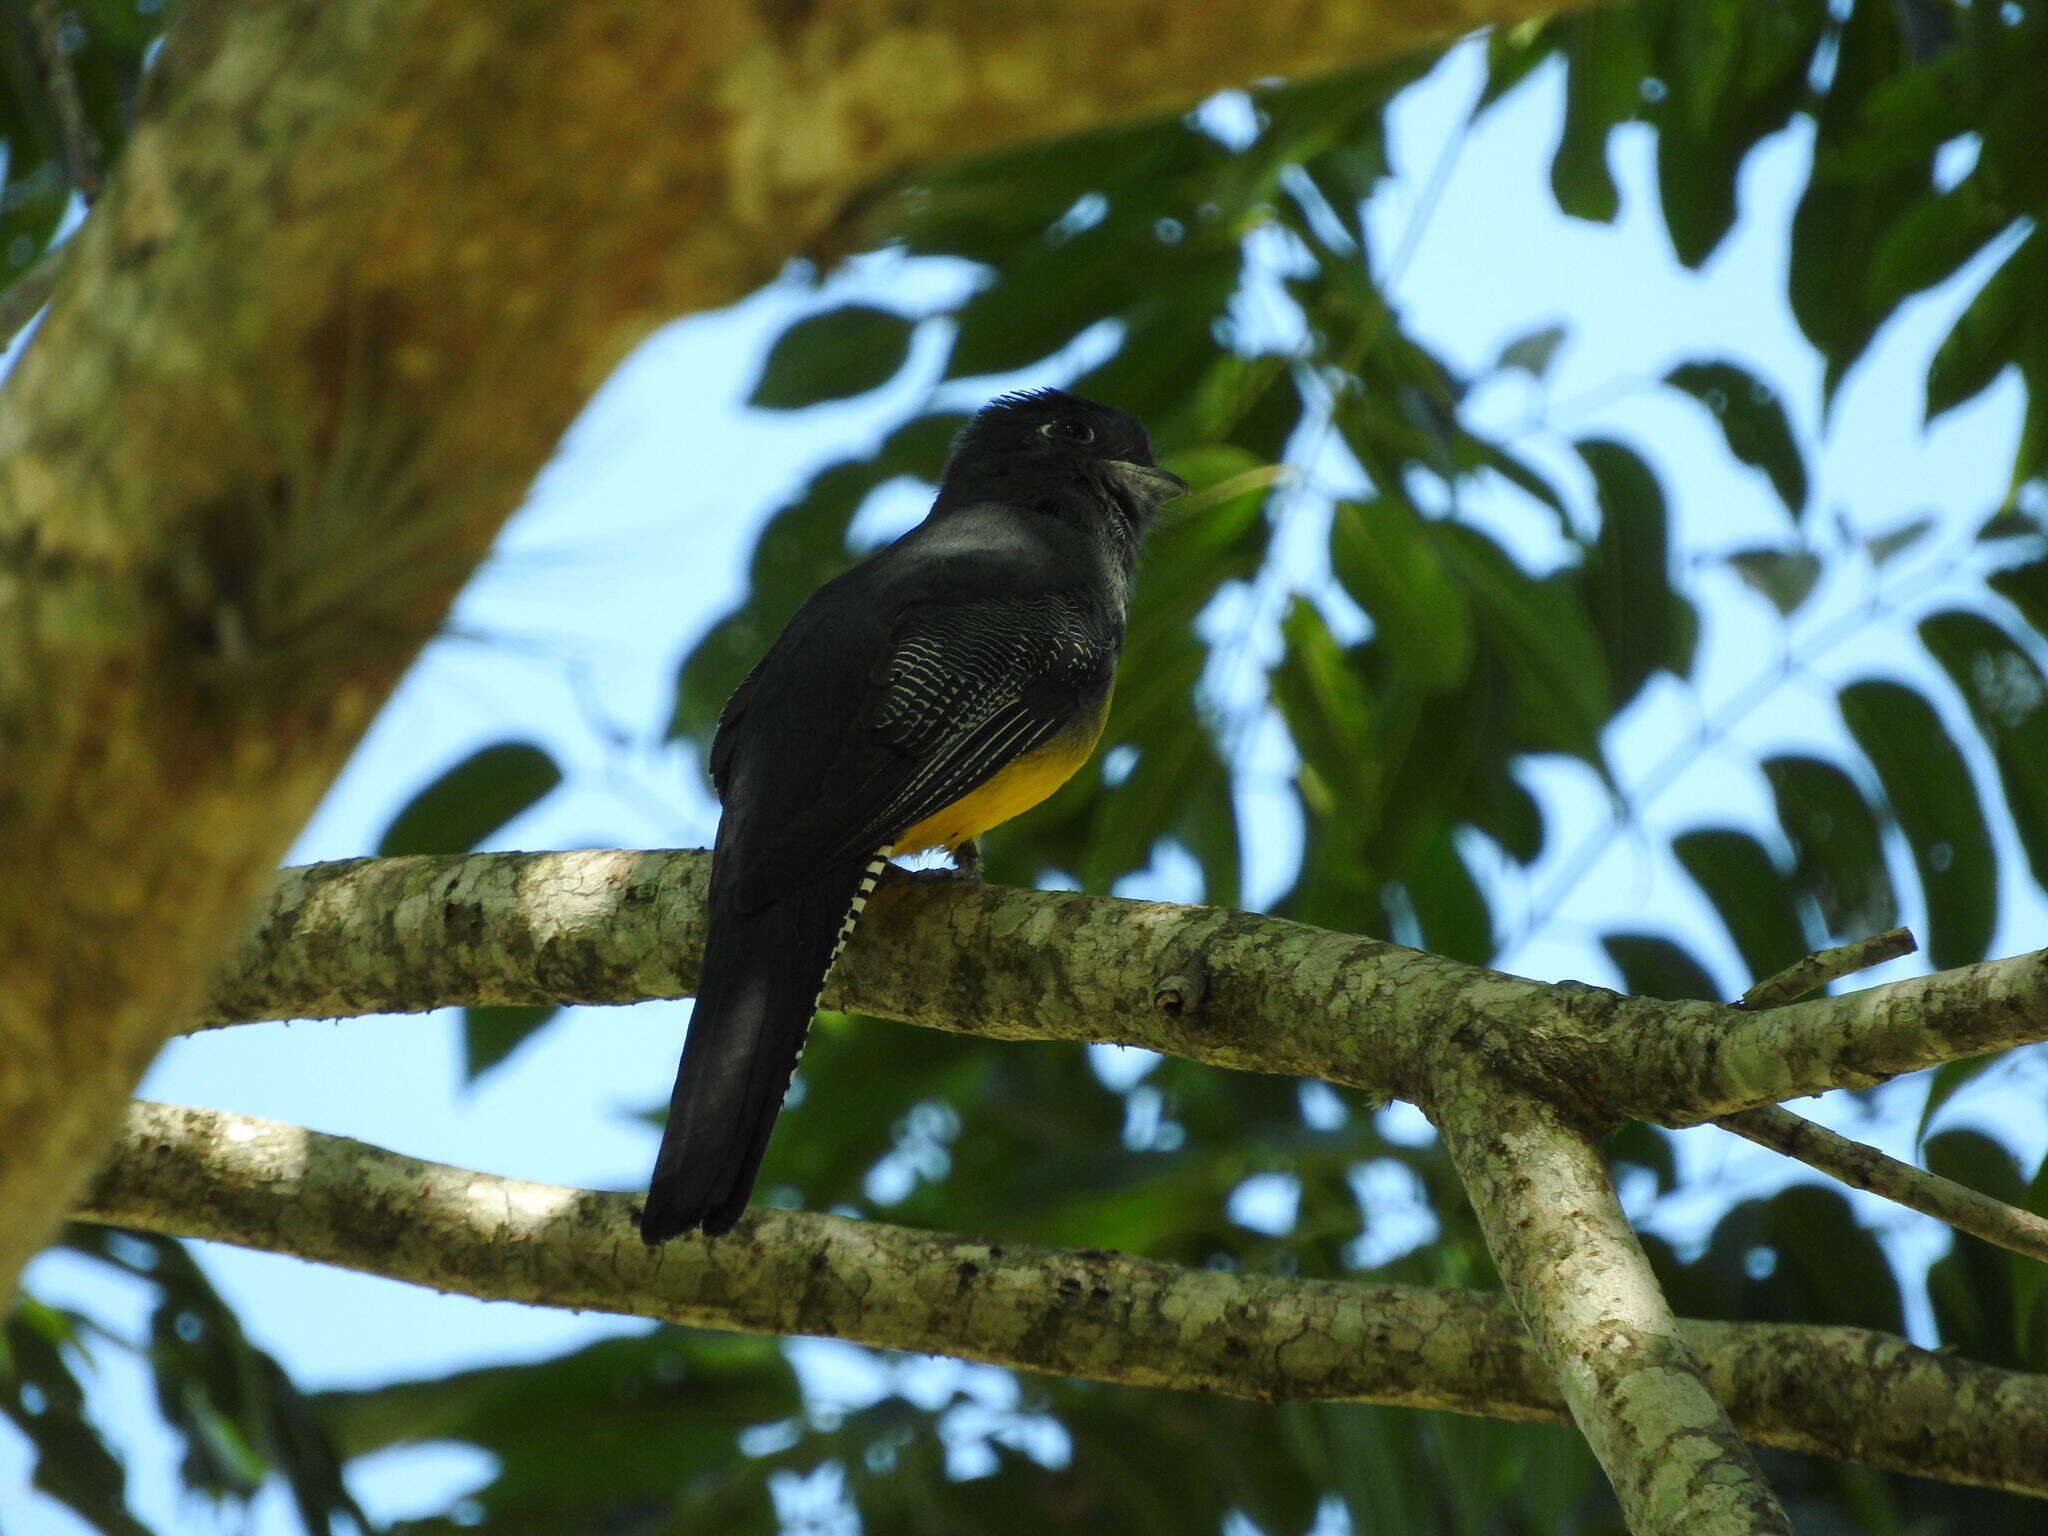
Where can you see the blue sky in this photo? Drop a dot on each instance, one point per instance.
(634, 540)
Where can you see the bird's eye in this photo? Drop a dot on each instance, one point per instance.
(1068, 431)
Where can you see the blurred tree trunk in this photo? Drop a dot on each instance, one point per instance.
(360, 264)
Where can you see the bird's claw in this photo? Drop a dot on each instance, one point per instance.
(966, 867)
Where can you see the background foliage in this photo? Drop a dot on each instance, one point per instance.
(1382, 624)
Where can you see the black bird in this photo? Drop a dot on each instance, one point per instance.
(941, 686)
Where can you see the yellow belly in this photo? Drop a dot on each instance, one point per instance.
(1009, 791)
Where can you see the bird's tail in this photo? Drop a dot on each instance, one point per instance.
(762, 976)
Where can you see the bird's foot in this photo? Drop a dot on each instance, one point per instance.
(966, 867)
(967, 861)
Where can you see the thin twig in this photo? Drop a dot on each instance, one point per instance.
(1853, 1163)
(1199, 503)
(79, 144)
(1824, 966)
(1866, 1168)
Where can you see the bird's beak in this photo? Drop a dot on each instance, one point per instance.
(1149, 481)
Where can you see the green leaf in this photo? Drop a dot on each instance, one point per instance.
(1654, 967)
(1935, 803)
(832, 356)
(1865, 175)
(1449, 906)
(1931, 240)
(919, 447)
(2026, 588)
(242, 1422)
(1886, 545)
(472, 800)
(2009, 523)
(1523, 478)
(1382, 553)
(1539, 631)
(1945, 1081)
(1829, 1263)
(1647, 1147)
(2008, 700)
(1532, 352)
(1698, 195)
(1752, 898)
(1500, 807)
(1980, 346)
(493, 1031)
(1785, 576)
(1643, 624)
(1732, 77)
(655, 1413)
(1837, 850)
(1331, 717)
(1607, 59)
(1511, 53)
(1752, 421)
(46, 1403)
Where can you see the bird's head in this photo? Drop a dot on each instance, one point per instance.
(1049, 449)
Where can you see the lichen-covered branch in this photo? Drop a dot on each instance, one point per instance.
(359, 265)
(1840, 1392)
(398, 935)
(1583, 1285)
(1816, 970)
(1862, 1167)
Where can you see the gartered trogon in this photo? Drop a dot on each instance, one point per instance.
(941, 686)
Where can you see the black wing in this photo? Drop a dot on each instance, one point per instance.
(960, 690)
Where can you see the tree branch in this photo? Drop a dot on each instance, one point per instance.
(1842, 1392)
(79, 144)
(1583, 1286)
(340, 235)
(612, 927)
(1866, 1168)
(1826, 965)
